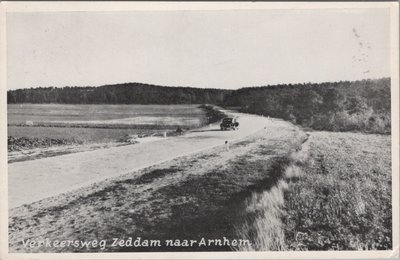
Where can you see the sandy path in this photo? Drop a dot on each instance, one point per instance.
(31, 181)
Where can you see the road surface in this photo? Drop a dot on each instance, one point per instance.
(31, 181)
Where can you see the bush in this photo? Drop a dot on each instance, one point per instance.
(367, 121)
(212, 113)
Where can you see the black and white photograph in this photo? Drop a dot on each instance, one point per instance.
(198, 130)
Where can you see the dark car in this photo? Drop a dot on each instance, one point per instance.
(229, 123)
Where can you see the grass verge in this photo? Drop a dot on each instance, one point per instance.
(342, 198)
(335, 195)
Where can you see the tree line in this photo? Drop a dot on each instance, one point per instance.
(127, 93)
(362, 105)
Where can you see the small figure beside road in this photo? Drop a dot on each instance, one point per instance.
(227, 145)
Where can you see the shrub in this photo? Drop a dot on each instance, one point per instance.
(212, 113)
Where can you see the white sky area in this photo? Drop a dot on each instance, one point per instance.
(216, 49)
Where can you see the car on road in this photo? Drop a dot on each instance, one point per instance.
(229, 123)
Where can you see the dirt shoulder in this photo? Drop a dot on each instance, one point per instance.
(187, 198)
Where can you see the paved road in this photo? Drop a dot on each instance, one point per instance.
(31, 181)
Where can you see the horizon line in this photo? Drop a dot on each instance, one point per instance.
(170, 86)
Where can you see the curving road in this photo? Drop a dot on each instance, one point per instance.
(32, 181)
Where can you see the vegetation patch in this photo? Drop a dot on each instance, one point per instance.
(213, 114)
(335, 195)
(81, 135)
(342, 198)
(25, 143)
(151, 176)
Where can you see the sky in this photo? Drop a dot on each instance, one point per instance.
(207, 49)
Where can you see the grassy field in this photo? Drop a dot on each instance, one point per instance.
(335, 195)
(342, 197)
(20, 113)
(88, 124)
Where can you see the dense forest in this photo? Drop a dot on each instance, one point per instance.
(339, 106)
(362, 105)
(128, 93)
